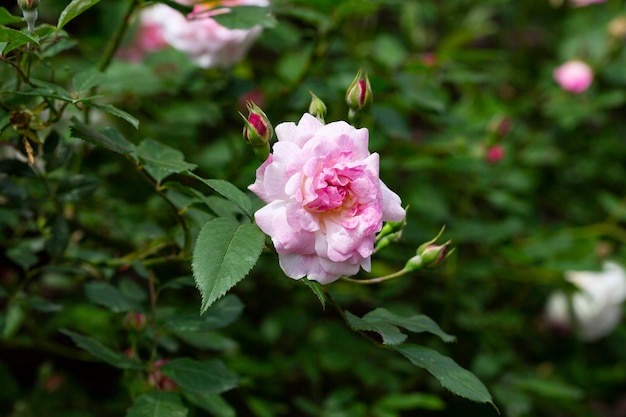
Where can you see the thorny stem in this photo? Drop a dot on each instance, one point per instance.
(377, 280)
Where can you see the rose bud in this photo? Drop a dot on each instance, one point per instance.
(317, 107)
(359, 94)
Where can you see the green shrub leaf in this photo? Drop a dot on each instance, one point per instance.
(225, 252)
(416, 324)
(391, 334)
(107, 137)
(157, 404)
(110, 297)
(112, 110)
(450, 375)
(72, 10)
(244, 17)
(207, 377)
(97, 349)
(7, 18)
(161, 160)
(219, 315)
(230, 192)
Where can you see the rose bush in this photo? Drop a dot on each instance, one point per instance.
(597, 306)
(198, 35)
(325, 201)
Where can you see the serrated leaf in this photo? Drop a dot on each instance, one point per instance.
(97, 349)
(111, 109)
(157, 404)
(416, 324)
(108, 296)
(450, 375)
(7, 18)
(391, 334)
(54, 90)
(207, 377)
(317, 289)
(16, 37)
(228, 191)
(161, 160)
(211, 403)
(75, 8)
(245, 17)
(225, 252)
(59, 236)
(219, 315)
(85, 80)
(106, 136)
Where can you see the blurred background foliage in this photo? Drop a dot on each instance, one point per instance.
(450, 79)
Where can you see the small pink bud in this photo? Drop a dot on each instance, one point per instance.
(359, 94)
(258, 130)
(433, 255)
(495, 154)
(28, 4)
(160, 381)
(574, 76)
(134, 321)
(583, 3)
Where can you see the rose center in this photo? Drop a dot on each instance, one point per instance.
(329, 189)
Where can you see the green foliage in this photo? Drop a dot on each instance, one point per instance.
(134, 280)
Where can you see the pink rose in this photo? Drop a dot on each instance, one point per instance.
(574, 76)
(325, 202)
(583, 3)
(495, 154)
(198, 35)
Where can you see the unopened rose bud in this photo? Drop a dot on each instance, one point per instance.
(434, 255)
(258, 130)
(317, 107)
(28, 4)
(574, 76)
(359, 94)
(29, 12)
(134, 321)
(414, 263)
(500, 126)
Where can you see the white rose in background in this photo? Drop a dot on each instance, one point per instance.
(596, 306)
(198, 35)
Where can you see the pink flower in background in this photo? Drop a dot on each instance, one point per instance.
(583, 3)
(325, 201)
(198, 35)
(495, 154)
(597, 306)
(574, 76)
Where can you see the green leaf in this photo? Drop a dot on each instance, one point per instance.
(108, 296)
(16, 37)
(106, 136)
(221, 314)
(317, 289)
(185, 10)
(85, 80)
(225, 252)
(450, 375)
(391, 334)
(157, 404)
(416, 324)
(111, 109)
(161, 160)
(7, 18)
(72, 10)
(230, 192)
(23, 255)
(97, 349)
(211, 403)
(244, 17)
(59, 236)
(206, 377)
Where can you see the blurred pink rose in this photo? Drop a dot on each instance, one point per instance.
(574, 76)
(583, 3)
(495, 154)
(198, 35)
(597, 306)
(325, 202)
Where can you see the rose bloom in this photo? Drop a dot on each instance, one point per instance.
(325, 201)
(574, 76)
(198, 35)
(597, 305)
(495, 154)
(583, 3)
